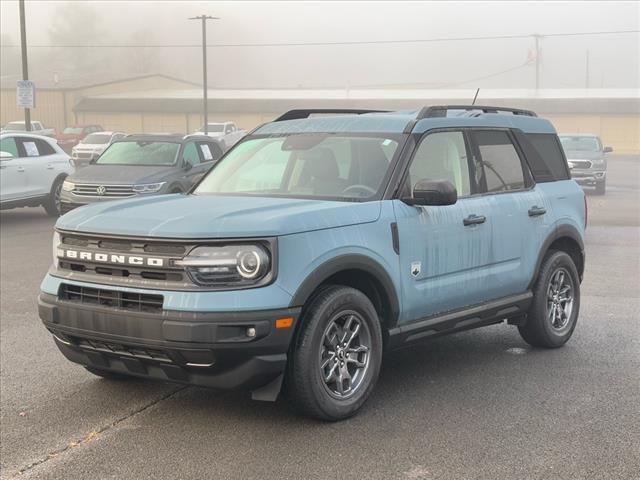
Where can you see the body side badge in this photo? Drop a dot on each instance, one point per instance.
(416, 267)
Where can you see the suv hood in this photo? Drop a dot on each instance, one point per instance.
(208, 216)
(120, 174)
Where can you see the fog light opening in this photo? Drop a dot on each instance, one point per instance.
(251, 332)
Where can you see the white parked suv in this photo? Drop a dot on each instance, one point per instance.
(92, 146)
(227, 132)
(32, 169)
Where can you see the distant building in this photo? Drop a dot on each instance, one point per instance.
(158, 103)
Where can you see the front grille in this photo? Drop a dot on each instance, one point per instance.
(88, 268)
(66, 207)
(581, 163)
(111, 191)
(83, 155)
(137, 302)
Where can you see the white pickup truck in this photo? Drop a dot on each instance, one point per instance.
(37, 128)
(227, 132)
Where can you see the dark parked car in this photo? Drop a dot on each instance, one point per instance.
(587, 159)
(142, 165)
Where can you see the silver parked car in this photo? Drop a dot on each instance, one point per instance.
(587, 159)
(92, 146)
(32, 170)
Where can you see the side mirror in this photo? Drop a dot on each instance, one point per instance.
(6, 156)
(187, 165)
(433, 192)
(607, 150)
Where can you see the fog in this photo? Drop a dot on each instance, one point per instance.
(96, 41)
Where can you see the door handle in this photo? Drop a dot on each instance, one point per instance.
(19, 169)
(474, 220)
(50, 167)
(536, 211)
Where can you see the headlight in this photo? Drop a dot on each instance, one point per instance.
(68, 186)
(55, 243)
(148, 187)
(228, 265)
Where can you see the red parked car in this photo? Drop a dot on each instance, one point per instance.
(71, 136)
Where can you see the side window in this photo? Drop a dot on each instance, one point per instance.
(190, 154)
(442, 156)
(33, 147)
(228, 129)
(9, 145)
(500, 160)
(545, 157)
(210, 151)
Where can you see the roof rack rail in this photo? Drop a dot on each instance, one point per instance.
(298, 114)
(441, 110)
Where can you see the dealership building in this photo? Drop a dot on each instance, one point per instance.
(158, 103)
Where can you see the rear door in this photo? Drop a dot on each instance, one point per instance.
(39, 161)
(518, 211)
(13, 178)
(445, 251)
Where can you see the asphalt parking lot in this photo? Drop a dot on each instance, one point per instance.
(479, 404)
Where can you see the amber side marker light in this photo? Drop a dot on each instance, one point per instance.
(285, 322)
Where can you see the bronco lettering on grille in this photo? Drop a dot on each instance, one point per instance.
(111, 258)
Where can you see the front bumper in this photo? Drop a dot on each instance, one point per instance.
(588, 177)
(204, 349)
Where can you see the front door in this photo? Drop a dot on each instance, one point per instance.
(445, 251)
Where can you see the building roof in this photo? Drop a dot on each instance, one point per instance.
(77, 82)
(595, 100)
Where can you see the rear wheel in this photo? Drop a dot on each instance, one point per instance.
(53, 202)
(337, 354)
(556, 303)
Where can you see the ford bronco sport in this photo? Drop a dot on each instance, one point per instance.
(317, 243)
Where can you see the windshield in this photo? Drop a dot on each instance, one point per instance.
(580, 144)
(96, 139)
(15, 127)
(73, 130)
(140, 153)
(325, 166)
(214, 127)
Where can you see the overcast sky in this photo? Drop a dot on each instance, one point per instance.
(613, 59)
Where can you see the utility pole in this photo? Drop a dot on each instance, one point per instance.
(25, 68)
(586, 72)
(203, 19)
(536, 38)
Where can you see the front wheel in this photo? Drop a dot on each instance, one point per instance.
(556, 303)
(335, 360)
(53, 203)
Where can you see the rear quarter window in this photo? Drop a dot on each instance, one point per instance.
(545, 156)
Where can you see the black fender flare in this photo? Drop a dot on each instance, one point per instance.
(349, 262)
(561, 231)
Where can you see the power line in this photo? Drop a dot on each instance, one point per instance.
(343, 43)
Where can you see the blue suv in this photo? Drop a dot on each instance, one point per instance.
(317, 243)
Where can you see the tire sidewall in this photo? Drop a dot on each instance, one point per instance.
(555, 261)
(306, 356)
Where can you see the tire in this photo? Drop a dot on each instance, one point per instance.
(107, 374)
(550, 321)
(601, 187)
(175, 190)
(52, 204)
(335, 312)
